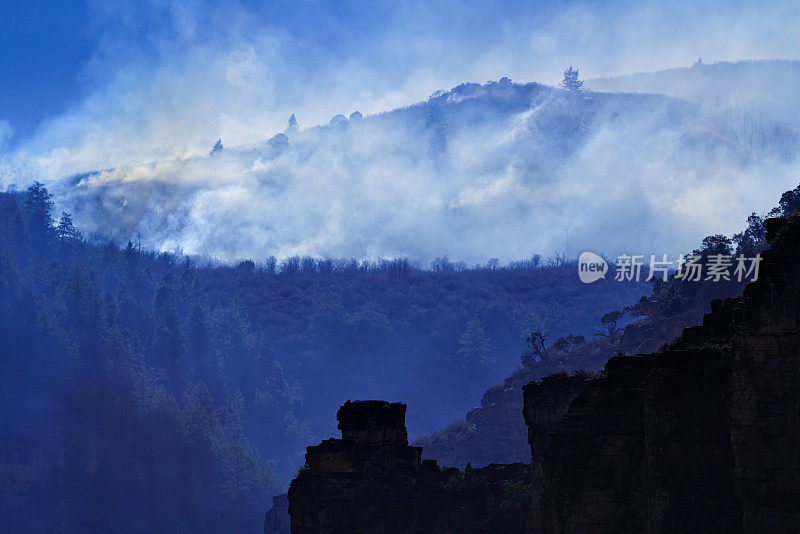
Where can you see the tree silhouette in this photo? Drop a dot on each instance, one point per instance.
(168, 341)
(752, 240)
(217, 149)
(39, 209)
(788, 204)
(474, 346)
(571, 82)
(537, 349)
(609, 322)
(292, 127)
(569, 344)
(66, 229)
(715, 244)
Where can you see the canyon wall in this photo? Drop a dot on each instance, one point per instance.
(702, 436)
(545, 404)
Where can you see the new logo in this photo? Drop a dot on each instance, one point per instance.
(591, 267)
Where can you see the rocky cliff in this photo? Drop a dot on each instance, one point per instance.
(545, 404)
(703, 436)
(372, 481)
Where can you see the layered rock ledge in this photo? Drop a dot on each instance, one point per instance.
(372, 481)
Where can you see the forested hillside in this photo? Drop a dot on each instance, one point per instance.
(494, 432)
(118, 361)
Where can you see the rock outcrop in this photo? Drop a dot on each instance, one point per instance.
(703, 436)
(372, 481)
(545, 404)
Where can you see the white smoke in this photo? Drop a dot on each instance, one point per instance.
(500, 171)
(167, 80)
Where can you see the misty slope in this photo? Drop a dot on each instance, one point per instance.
(496, 170)
(764, 88)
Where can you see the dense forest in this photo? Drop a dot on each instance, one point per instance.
(152, 391)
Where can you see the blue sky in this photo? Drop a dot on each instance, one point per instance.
(45, 45)
(57, 52)
(89, 84)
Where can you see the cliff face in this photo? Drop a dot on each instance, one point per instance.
(545, 404)
(372, 481)
(702, 436)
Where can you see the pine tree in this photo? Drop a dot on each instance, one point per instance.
(571, 82)
(238, 475)
(474, 346)
(547, 321)
(197, 417)
(292, 127)
(66, 229)
(85, 321)
(217, 149)
(39, 209)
